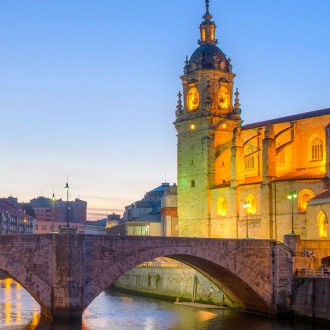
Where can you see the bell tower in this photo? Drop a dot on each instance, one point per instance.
(205, 121)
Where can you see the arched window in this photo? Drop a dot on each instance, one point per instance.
(315, 148)
(193, 99)
(279, 154)
(322, 222)
(249, 160)
(223, 97)
(304, 196)
(221, 207)
(252, 204)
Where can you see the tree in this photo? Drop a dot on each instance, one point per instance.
(28, 209)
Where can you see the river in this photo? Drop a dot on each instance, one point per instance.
(112, 311)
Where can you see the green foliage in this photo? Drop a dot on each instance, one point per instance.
(28, 209)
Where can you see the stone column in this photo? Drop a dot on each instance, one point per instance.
(67, 297)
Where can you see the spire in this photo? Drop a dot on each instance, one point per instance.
(207, 17)
(207, 28)
(178, 111)
(237, 106)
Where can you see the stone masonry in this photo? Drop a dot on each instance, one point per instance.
(66, 272)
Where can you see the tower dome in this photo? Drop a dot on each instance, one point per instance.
(207, 55)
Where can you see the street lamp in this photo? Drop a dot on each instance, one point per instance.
(246, 206)
(292, 195)
(53, 203)
(67, 204)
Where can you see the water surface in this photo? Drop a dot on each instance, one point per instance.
(112, 311)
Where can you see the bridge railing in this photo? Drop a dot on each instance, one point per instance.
(152, 264)
(317, 272)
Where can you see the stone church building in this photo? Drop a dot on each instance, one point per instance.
(261, 180)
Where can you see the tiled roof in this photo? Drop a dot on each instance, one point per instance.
(311, 174)
(299, 116)
(324, 194)
(11, 209)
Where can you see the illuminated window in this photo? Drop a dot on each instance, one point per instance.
(252, 202)
(303, 197)
(322, 222)
(223, 97)
(203, 35)
(138, 230)
(279, 155)
(192, 99)
(212, 33)
(249, 160)
(221, 207)
(315, 148)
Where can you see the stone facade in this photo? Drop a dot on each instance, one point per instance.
(224, 165)
(312, 300)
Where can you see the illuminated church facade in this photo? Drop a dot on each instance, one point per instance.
(234, 180)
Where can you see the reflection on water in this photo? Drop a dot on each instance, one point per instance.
(110, 310)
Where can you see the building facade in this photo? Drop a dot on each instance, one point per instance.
(57, 210)
(15, 221)
(145, 217)
(234, 180)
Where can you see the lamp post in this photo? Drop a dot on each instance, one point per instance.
(53, 203)
(292, 195)
(246, 206)
(67, 204)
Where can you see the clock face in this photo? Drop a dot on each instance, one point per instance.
(193, 99)
(223, 98)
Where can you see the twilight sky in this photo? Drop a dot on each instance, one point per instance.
(88, 88)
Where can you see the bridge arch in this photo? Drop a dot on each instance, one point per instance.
(34, 285)
(65, 273)
(248, 288)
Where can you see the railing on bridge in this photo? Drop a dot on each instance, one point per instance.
(152, 264)
(317, 272)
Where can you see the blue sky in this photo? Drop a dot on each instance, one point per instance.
(88, 89)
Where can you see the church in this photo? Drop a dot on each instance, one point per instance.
(261, 180)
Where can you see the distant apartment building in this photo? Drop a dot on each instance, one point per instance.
(15, 221)
(46, 227)
(58, 210)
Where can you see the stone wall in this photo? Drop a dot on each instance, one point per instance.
(169, 283)
(311, 299)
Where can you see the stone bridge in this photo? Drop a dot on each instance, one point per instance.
(64, 273)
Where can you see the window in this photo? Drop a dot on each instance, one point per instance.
(279, 155)
(304, 196)
(221, 207)
(138, 230)
(193, 183)
(322, 222)
(315, 148)
(43, 227)
(193, 99)
(249, 163)
(249, 158)
(252, 202)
